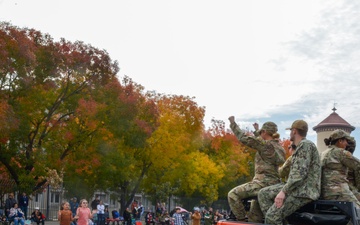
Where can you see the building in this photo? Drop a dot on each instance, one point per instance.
(329, 124)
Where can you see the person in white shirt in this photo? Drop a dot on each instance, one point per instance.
(100, 213)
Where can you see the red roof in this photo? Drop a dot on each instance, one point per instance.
(334, 121)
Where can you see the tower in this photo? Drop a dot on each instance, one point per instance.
(329, 124)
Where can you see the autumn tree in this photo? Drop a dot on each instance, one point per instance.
(130, 118)
(149, 134)
(44, 86)
(174, 149)
(234, 159)
(285, 143)
(66, 116)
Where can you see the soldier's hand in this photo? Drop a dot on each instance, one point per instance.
(279, 200)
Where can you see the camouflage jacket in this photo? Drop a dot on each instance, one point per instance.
(269, 156)
(284, 170)
(335, 163)
(305, 172)
(354, 179)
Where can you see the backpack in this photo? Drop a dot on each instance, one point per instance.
(115, 214)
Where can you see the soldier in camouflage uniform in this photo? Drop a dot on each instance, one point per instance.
(269, 156)
(303, 183)
(353, 175)
(335, 163)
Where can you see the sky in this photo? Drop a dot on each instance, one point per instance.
(257, 60)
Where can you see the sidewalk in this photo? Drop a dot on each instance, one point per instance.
(56, 222)
(51, 222)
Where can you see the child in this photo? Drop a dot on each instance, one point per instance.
(65, 215)
(37, 216)
(83, 213)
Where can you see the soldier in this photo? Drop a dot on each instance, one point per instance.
(335, 162)
(303, 183)
(269, 156)
(353, 175)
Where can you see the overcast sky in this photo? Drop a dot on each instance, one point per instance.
(260, 61)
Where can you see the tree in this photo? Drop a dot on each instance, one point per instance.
(44, 84)
(286, 143)
(172, 146)
(131, 116)
(234, 159)
(66, 116)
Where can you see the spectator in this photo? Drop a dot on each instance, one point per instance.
(106, 214)
(9, 203)
(149, 218)
(83, 213)
(159, 210)
(23, 203)
(196, 216)
(140, 210)
(3, 219)
(17, 215)
(167, 218)
(135, 210)
(37, 216)
(116, 216)
(218, 216)
(225, 214)
(177, 217)
(209, 217)
(95, 202)
(127, 216)
(100, 213)
(65, 215)
(74, 205)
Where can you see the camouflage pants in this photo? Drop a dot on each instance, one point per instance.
(240, 192)
(273, 215)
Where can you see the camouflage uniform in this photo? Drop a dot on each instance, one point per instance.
(302, 186)
(284, 170)
(334, 183)
(353, 176)
(354, 181)
(269, 156)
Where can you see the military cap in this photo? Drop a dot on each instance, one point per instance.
(351, 138)
(270, 127)
(337, 134)
(299, 124)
